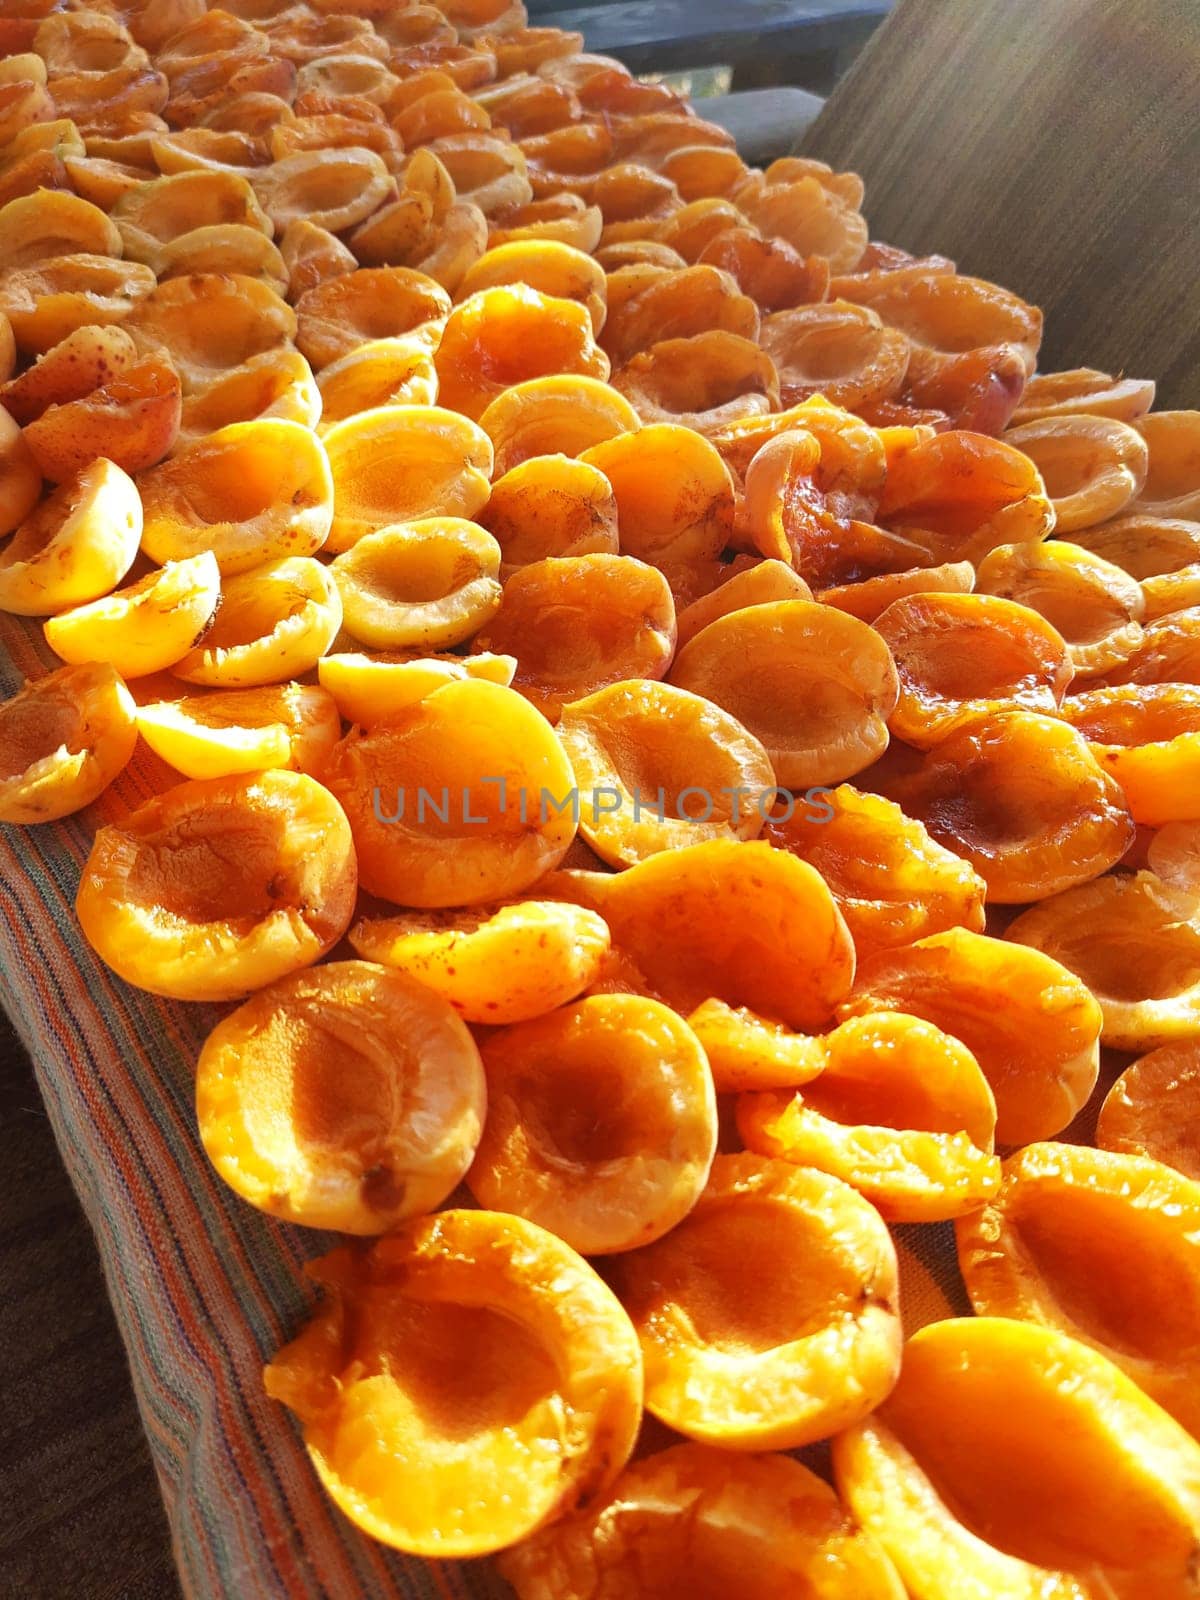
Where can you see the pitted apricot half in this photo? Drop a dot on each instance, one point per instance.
(814, 685)
(210, 322)
(85, 360)
(463, 1383)
(164, 209)
(960, 656)
(945, 314)
(1102, 1247)
(274, 384)
(1169, 651)
(460, 800)
(1135, 941)
(676, 305)
(554, 416)
(46, 302)
(1172, 486)
(381, 372)
(658, 767)
(869, 598)
(747, 1052)
(145, 628)
(370, 689)
(578, 623)
(21, 477)
(840, 350)
(75, 546)
(991, 1422)
(223, 732)
(404, 463)
(228, 248)
(892, 881)
(635, 253)
(494, 964)
(752, 585)
(275, 622)
(1083, 391)
(756, 1357)
(701, 382)
(345, 1097)
(813, 218)
(601, 1125)
(1023, 799)
(52, 223)
(552, 268)
(422, 585)
(708, 1523)
(342, 312)
(85, 41)
(332, 188)
(218, 887)
(250, 492)
(132, 418)
(770, 271)
(675, 499)
(1153, 1109)
(1033, 1028)
(1148, 737)
(64, 738)
(900, 1111)
(550, 506)
(311, 255)
(1092, 466)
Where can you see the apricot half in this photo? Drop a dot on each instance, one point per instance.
(1172, 483)
(1153, 1109)
(64, 738)
(346, 310)
(75, 546)
(275, 622)
(147, 627)
(370, 689)
(225, 731)
(274, 383)
(551, 506)
(464, 1382)
(220, 886)
(1092, 466)
(209, 322)
(421, 585)
(346, 1097)
(561, 415)
(1148, 737)
(1084, 390)
(768, 1316)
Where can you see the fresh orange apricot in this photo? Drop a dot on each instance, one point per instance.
(210, 322)
(275, 622)
(342, 312)
(404, 463)
(65, 738)
(312, 254)
(991, 1422)
(132, 419)
(677, 305)
(746, 1051)
(382, 372)
(900, 1111)
(756, 1357)
(815, 686)
(223, 732)
(75, 546)
(1100, 1246)
(1172, 485)
(273, 384)
(554, 416)
(370, 689)
(869, 598)
(1023, 799)
(770, 271)
(146, 627)
(1148, 738)
(466, 1381)
(220, 886)
(1033, 1028)
(552, 268)
(893, 882)
(675, 499)
(1152, 1109)
(1135, 941)
(20, 476)
(419, 585)
(960, 656)
(550, 506)
(750, 586)
(601, 1124)
(332, 188)
(346, 1097)
(46, 302)
(461, 799)
(85, 360)
(1092, 466)
(578, 623)
(840, 350)
(1083, 391)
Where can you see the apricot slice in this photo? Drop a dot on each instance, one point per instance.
(65, 738)
(21, 478)
(1083, 391)
(658, 767)
(370, 689)
(344, 311)
(274, 384)
(223, 732)
(1033, 1028)
(495, 964)
(1152, 1109)
(146, 627)
(345, 1097)
(75, 546)
(701, 382)
(1172, 485)
(1023, 799)
(132, 419)
(959, 656)
(221, 886)
(382, 372)
(991, 1422)
(814, 686)
(536, 1372)
(209, 322)
(1135, 1224)
(551, 506)
(752, 1358)
(552, 268)
(675, 499)
(419, 585)
(578, 623)
(1092, 466)
(275, 622)
(900, 1111)
(893, 882)
(46, 302)
(1148, 738)
(459, 800)
(404, 463)
(1135, 941)
(563, 415)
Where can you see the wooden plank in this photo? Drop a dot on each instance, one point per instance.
(1050, 145)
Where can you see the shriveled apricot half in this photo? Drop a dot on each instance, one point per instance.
(226, 731)
(739, 587)
(423, 585)
(46, 302)
(64, 739)
(869, 598)
(275, 622)
(551, 506)
(1092, 466)
(220, 886)
(768, 1316)
(148, 626)
(1172, 484)
(350, 308)
(561, 415)
(75, 546)
(464, 1382)
(553, 268)
(347, 1096)
(1153, 1109)
(1083, 391)
(275, 383)
(210, 321)
(675, 498)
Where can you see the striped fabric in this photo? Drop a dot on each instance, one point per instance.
(206, 1288)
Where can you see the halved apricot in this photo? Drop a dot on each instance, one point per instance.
(275, 622)
(75, 546)
(701, 382)
(740, 585)
(869, 598)
(770, 271)
(1084, 391)
(461, 799)
(344, 311)
(273, 384)
(1033, 1028)
(554, 416)
(815, 686)
(223, 732)
(945, 314)
(1172, 484)
(52, 223)
(158, 212)
(209, 322)
(675, 498)
(381, 372)
(218, 887)
(332, 188)
(1153, 1109)
(577, 623)
(65, 738)
(85, 360)
(147, 627)
(1148, 737)
(552, 268)
(840, 350)
(1092, 466)
(489, 171)
(1169, 651)
(752, 1358)
(21, 477)
(463, 1383)
(370, 689)
(345, 1097)
(746, 1051)
(132, 419)
(421, 585)
(312, 254)
(46, 302)
(677, 305)
(991, 1422)
(550, 506)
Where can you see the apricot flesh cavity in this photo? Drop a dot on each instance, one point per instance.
(64, 739)
(275, 622)
(422, 585)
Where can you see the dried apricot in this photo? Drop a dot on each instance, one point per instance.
(65, 738)
(677, 305)
(342, 312)
(1092, 466)
(839, 349)
(209, 322)
(381, 372)
(675, 498)
(1172, 484)
(770, 271)
(1152, 1109)
(1084, 391)
(20, 475)
(552, 268)
(702, 382)
(1148, 738)
(869, 598)
(748, 586)
(46, 302)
